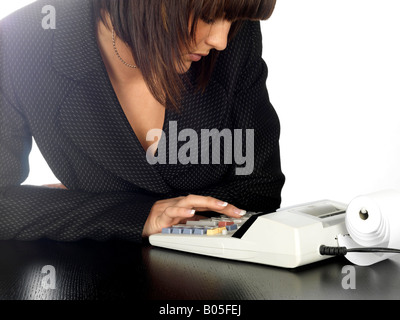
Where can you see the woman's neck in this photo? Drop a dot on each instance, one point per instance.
(117, 70)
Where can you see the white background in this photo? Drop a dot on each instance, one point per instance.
(6, 7)
(334, 81)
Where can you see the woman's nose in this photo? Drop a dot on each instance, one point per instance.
(218, 37)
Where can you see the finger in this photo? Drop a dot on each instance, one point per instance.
(201, 203)
(171, 201)
(173, 215)
(230, 211)
(234, 212)
(209, 203)
(55, 186)
(197, 218)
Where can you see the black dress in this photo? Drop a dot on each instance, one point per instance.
(54, 87)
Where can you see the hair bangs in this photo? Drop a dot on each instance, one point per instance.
(158, 31)
(248, 9)
(233, 10)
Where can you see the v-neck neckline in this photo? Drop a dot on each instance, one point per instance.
(119, 107)
(91, 116)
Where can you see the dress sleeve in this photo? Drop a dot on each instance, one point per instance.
(257, 185)
(30, 213)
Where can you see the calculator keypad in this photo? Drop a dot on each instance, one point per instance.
(222, 225)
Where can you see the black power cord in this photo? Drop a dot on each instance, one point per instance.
(342, 251)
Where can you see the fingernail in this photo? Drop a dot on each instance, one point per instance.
(222, 204)
(240, 212)
(191, 212)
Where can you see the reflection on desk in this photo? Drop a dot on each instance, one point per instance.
(121, 271)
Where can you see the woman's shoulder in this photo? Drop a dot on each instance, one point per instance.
(234, 63)
(247, 42)
(28, 28)
(27, 19)
(37, 21)
(30, 36)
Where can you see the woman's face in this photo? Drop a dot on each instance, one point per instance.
(208, 35)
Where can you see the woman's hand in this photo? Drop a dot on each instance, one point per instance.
(55, 186)
(169, 212)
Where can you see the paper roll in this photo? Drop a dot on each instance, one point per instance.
(372, 221)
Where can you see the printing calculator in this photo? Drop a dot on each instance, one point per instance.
(287, 238)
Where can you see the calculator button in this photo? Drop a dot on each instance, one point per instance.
(203, 223)
(232, 227)
(188, 231)
(215, 231)
(200, 231)
(212, 232)
(225, 223)
(167, 230)
(177, 230)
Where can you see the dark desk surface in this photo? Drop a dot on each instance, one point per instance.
(122, 271)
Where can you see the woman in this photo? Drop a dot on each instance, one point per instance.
(91, 90)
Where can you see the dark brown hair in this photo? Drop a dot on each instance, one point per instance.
(158, 30)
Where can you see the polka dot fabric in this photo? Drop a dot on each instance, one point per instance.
(54, 87)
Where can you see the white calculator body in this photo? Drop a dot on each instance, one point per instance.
(288, 238)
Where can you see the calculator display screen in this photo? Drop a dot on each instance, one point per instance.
(321, 211)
